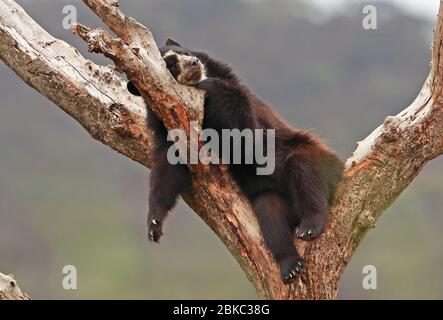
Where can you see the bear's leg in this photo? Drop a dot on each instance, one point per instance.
(308, 192)
(166, 183)
(276, 224)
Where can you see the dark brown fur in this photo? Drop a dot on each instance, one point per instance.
(294, 197)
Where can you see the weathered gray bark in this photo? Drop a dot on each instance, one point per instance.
(380, 169)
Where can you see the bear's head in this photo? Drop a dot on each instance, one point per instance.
(184, 66)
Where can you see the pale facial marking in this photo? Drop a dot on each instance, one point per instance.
(192, 70)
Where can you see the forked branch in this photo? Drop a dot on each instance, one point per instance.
(379, 170)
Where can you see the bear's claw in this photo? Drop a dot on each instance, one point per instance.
(291, 268)
(154, 230)
(310, 227)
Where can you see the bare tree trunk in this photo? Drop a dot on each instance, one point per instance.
(9, 290)
(379, 170)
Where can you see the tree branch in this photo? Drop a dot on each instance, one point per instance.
(9, 290)
(380, 169)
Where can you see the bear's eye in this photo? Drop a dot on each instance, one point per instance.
(171, 61)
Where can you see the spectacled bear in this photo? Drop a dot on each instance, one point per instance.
(293, 199)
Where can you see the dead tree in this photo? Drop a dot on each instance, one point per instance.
(9, 290)
(382, 166)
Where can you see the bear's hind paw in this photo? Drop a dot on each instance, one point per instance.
(291, 268)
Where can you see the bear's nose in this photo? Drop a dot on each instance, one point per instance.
(194, 62)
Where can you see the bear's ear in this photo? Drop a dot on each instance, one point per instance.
(170, 42)
(133, 89)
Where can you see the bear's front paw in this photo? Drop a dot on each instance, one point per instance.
(291, 267)
(310, 227)
(154, 230)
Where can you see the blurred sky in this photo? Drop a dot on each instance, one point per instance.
(426, 8)
(419, 7)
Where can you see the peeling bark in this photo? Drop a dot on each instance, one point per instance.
(379, 170)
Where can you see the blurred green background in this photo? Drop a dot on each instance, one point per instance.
(67, 200)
